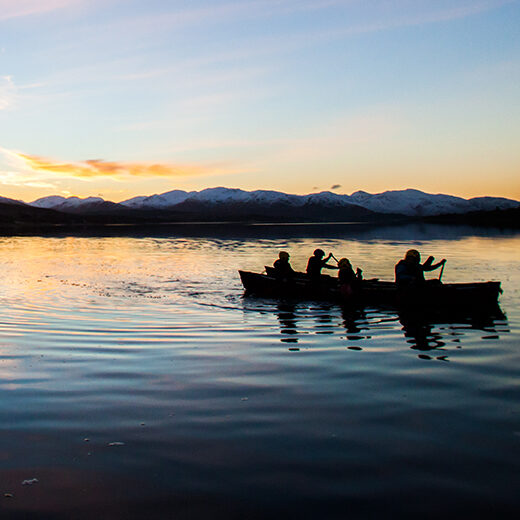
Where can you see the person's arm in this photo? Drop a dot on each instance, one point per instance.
(329, 266)
(430, 266)
(324, 263)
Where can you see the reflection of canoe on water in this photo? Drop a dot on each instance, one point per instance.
(434, 293)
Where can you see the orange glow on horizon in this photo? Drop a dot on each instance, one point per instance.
(29, 177)
(99, 168)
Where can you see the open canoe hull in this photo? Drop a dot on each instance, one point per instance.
(474, 295)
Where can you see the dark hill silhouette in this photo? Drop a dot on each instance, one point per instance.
(23, 215)
(502, 218)
(279, 212)
(16, 215)
(99, 207)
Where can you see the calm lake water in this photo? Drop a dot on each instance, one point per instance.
(137, 381)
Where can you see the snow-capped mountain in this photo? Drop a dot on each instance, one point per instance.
(408, 202)
(216, 196)
(212, 196)
(62, 203)
(329, 199)
(76, 204)
(417, 203)
(405, 202)
(164, 200)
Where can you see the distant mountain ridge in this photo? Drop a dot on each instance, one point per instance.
(409, 202)
(217, 205)
(77, 205)
(413, 202)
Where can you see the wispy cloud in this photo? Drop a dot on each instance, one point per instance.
(26, 179)
(362, 16)
(192, 75)
(91, 168)
(7, 92)
(96, 168)
(443, 14)
(218, 12)
(17, 8)
(390, 15)
(229, 12)
(351, 18)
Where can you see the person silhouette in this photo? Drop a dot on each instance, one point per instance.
(409, 272)
(282, 267)
(316, 263)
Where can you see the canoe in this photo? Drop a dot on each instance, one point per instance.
(374, 291)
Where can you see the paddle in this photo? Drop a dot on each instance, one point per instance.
(442, 270)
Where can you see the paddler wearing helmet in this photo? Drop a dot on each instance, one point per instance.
(282, 266)
(409, 272)
(316, 263)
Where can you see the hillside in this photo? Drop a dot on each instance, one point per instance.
(235, 205)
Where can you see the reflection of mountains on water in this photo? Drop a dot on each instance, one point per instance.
(424, 332)
(401, 231)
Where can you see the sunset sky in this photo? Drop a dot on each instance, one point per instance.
(117, 98)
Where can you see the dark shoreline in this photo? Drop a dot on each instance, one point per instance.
(21, 219)
(28, 221)
(407, 230)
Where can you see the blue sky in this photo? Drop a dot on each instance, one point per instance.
(119, 98)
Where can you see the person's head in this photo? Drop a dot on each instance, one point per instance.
(283, 255)
(344, 263)
(319, 253)
(412, 255)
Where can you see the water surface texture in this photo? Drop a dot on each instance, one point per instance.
(137, 381)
